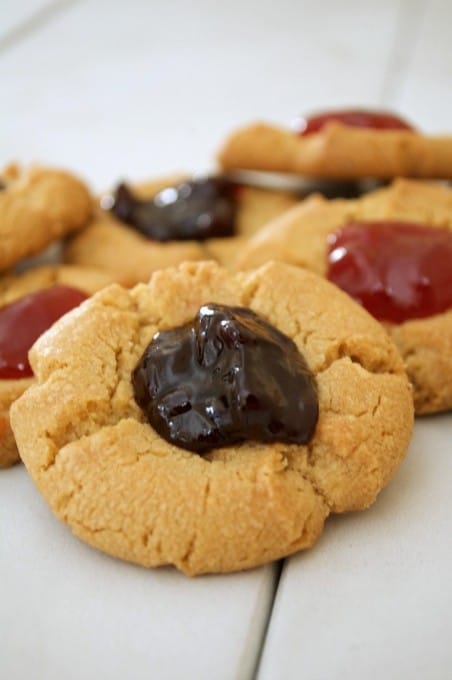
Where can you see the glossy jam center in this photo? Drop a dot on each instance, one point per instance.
(397, 271)
(198, 209)
(226, 377)
(23, 321)
(377, 120)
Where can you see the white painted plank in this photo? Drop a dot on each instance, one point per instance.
(19, 17)
(79, 94)
(112, 90)
(427, 87)
(373, 599)
(68, 611)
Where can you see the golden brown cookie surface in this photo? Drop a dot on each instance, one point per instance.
(130, 257)
(339, 152)
(14, 287)
(300, 237)
(38, 206)
(123, 489)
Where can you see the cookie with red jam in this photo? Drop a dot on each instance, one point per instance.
(29, 305)
(212, 420)
(164, 222)
(391, 250)
(342, 144)
(37, 207)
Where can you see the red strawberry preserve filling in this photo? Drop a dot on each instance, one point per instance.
(23, 321)
(376, 120)
(397, 271)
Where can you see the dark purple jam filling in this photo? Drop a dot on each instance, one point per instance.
(223, 378)
(196, 209)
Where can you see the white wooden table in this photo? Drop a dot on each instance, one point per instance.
(116, 89)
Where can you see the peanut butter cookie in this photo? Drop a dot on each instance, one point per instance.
(339, 151)
(38, 206)
(126, 241)
(300, 237)
(125, 489)
(15, 377)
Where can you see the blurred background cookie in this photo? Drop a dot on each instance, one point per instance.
(397, 262)
(29, 304)
(342, 144)
(37, 207)
(137, 230)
